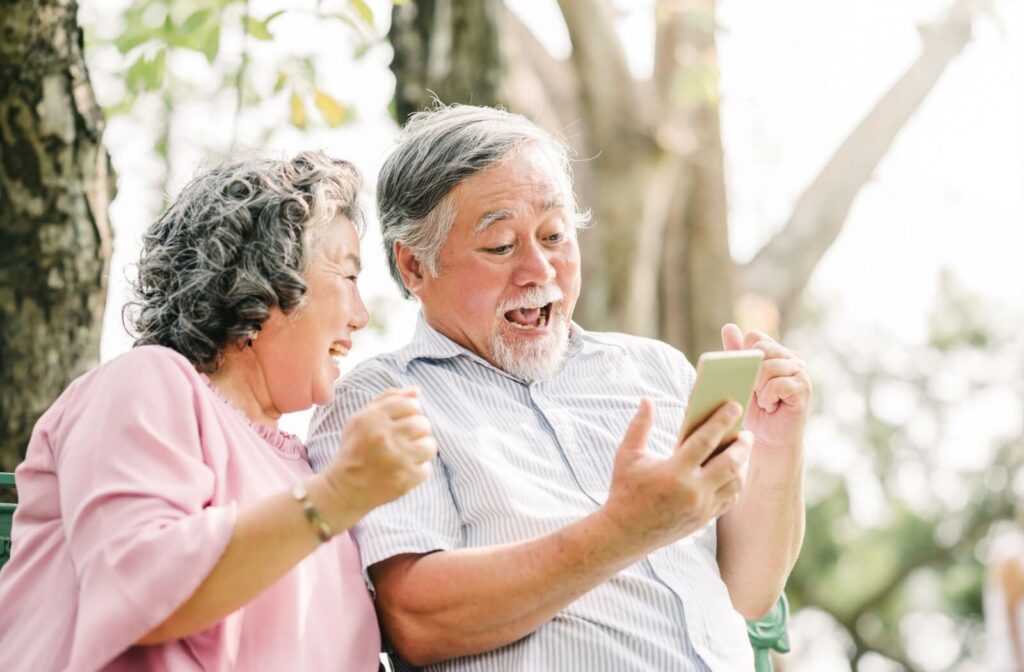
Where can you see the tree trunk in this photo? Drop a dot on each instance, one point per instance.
(55, 241)
(449, 49)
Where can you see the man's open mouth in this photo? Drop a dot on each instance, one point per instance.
(529, 318)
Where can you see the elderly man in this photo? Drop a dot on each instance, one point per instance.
(563, 527)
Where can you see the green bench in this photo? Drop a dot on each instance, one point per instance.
(765, 634)
(6, 518)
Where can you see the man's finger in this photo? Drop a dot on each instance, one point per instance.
(752, 338)
(635, 439)
(729, 464)
(776, 368)
(780, 391)
(773, 350)
(732, 337)
(699, 445)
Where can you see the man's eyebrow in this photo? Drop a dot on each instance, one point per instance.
(554, 203)
(490, 218)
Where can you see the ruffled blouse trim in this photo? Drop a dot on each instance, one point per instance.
(283, 442)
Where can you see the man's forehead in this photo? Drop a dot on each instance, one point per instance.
(524, 183)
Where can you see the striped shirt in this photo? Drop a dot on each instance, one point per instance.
(518, 461)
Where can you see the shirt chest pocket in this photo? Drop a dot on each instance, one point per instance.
(510, 483)
(605, 426)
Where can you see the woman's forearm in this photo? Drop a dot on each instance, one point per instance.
(270, 537)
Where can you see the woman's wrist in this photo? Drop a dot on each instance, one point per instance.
(332, 506)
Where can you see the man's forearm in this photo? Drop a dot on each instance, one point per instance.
(760, 538)
(455, 603)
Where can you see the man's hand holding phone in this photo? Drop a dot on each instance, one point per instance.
(655, 501)
(782, 391)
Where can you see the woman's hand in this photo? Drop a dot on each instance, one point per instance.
(385, 451)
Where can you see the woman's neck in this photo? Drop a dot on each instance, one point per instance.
(239, 379)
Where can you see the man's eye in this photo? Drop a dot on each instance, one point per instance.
(556, 237)
(500, 249)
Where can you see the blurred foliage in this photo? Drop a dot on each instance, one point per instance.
(895, 525)
(156, 40)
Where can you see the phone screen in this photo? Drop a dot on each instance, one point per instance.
(721, 377)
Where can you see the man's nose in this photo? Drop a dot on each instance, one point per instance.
(533, 266)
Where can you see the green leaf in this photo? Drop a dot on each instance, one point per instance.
(333, 111)
(146, 73)
(257, 29)
(273, 15)
(195, 22)
(134, 35)
(210, 45)
(282, 79)
(361, 50)
(363, 10)
(156, 79)
(298, 112)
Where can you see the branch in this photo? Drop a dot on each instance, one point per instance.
(935, 554)
(608, 91)
(537, 84)
(781, 269)
(670, 180)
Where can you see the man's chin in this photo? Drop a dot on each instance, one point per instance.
(531, 355)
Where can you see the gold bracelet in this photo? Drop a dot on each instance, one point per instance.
(320, 526)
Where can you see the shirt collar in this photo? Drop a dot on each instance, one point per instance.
(428, 343)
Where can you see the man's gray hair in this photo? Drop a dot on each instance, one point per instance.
(234, 244)
(438, 149)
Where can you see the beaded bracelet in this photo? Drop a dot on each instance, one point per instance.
(320, 526)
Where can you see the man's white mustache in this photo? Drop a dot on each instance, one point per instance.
(534, 297)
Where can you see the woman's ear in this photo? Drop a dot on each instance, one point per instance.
(410, 268)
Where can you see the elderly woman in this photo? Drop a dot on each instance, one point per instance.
(165, 522)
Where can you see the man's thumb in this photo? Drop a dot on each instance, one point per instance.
(635, 440)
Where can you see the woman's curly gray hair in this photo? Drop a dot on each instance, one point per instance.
(233, 245)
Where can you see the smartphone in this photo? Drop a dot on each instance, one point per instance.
(721, 377)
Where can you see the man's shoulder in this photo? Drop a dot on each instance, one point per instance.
(637, 346)
(384, 370)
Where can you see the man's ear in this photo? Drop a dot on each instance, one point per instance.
(410, 268)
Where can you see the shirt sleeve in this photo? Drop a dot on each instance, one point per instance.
(425, 519)
(135, 493)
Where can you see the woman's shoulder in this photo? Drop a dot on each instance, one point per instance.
(151, 363)
(134, 376)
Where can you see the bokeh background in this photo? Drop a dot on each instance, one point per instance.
(845, 175)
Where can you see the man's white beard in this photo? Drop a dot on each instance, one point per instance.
(536, 359)
(533, 359)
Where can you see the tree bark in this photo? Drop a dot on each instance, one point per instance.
(55, 241)
(446, 49)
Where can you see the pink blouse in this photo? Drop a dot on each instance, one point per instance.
(127, 500)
